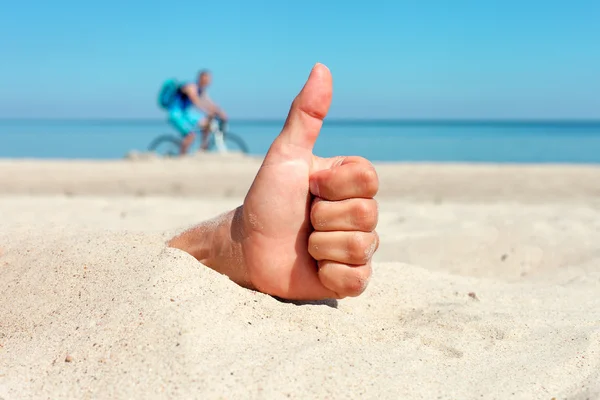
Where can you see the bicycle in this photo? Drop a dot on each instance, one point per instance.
(219, 140)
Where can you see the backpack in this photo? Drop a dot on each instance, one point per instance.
(168, 93)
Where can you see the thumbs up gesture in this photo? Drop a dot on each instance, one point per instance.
(306, 229)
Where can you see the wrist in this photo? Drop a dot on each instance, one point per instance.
(217, 244)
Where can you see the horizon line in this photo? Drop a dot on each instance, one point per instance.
(333, 119)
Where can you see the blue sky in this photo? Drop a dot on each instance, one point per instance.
(389, 59)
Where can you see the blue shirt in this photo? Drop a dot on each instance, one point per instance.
(182, 100)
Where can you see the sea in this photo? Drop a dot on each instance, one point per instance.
(576, 142)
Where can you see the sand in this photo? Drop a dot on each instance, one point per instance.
(486, 285)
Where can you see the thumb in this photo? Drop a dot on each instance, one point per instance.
(308, 110)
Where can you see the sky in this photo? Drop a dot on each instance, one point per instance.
(389, 59)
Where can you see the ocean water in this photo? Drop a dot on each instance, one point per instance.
(414, 141)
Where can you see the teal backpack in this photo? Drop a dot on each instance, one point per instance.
(168, 93)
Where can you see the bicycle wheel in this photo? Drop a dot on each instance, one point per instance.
(235, 143)
(166, 145)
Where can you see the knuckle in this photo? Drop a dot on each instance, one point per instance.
(362, 208)
(373, 246)
(365, 214)
(370, 181)
(357, 247)
(355, 283)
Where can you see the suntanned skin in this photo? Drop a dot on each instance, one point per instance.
(209, 107)
(306, 229)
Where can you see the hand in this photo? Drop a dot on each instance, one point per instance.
(306, 229)
(283, 255)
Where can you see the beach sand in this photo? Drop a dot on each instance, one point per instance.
(486, 285)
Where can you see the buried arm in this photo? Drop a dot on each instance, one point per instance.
(216, 243)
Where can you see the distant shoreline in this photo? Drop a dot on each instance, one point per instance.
(494, 141)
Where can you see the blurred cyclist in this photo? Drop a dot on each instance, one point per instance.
(191, 108)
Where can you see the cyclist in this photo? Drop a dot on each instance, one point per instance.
(192, 108)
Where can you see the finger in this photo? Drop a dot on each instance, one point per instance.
(308, 110)
(345, 247)
(345, 215)
(346, 181)
(344, 280)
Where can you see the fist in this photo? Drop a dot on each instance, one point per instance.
(344, 216)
